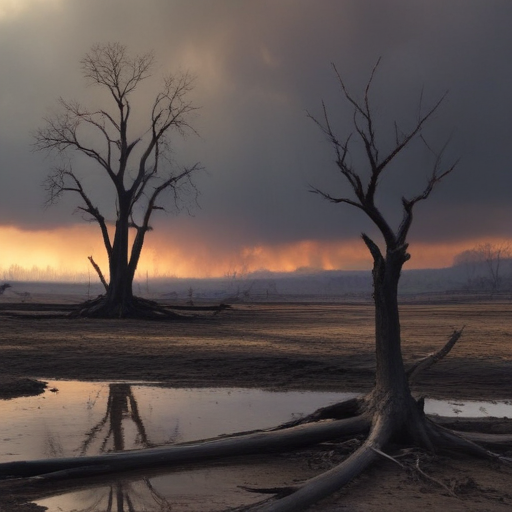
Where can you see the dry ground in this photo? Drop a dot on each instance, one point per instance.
(295, 346)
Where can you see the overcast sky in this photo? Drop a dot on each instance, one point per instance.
(260, 65)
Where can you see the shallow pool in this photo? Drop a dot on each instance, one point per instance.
(86, 418)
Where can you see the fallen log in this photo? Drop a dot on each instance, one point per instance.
(168, 456)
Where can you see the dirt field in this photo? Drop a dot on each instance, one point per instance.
(293, 346)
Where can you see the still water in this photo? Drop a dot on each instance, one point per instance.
(78, 418)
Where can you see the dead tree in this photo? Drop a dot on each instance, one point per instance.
(493, 255)
(139, 167)
(484, 266)
(389, 414)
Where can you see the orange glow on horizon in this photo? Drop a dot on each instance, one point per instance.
(61, 255)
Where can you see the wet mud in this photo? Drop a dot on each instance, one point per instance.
(279, 346)
(289, 347)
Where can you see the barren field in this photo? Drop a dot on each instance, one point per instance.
(285, 347)
(280, 346)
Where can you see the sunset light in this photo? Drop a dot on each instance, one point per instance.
(61, 255)
(238, 199)
(250, 132)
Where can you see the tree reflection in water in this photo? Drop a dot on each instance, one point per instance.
(122, 496)
(121, 404)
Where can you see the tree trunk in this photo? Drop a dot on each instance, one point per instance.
(119, 301)
(138, 242)
(392, 396)
(390, 372)
(119, 296)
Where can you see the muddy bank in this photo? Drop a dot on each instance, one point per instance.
(12, 387)
(280, 346)
(291, 346)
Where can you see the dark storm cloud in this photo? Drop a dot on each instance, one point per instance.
(260, 65)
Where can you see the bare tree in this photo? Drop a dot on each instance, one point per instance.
(396, 410)
(389, 413)
(493, 256)
(139, 167)
(484, 265)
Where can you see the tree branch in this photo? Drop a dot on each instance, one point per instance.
(408, 204)
(373, 248)
(333, 199)
(110, 66)
(56, 184)
(435, 357)
(99, 272)
(61, 133)
(173, 183)
(363, 122)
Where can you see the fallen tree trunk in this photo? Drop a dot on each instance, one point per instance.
(253, 443)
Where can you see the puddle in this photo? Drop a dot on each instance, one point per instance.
(470, 409)
(84, 418)
(90, 418)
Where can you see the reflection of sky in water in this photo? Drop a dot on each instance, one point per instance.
(54, 424)
(190, 490)
(470, 409)
(57, 424)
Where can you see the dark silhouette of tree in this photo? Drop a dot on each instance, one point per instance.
(139, 168)
(483, 266)
(389, 414)
(391, 401)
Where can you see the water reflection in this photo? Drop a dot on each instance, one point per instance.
(125, 497)
(92, 418)
(81, 416)
(122, 407)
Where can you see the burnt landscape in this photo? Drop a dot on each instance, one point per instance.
(288, 346)
(256, 256)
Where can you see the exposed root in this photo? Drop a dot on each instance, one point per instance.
(346, 409)
(489, 425)
(416, 467)
(495, 441)
(386, 456)
(137, 307)
(300, 497)
(432, 479)
(453, 441)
